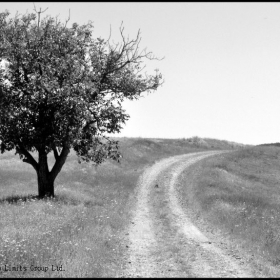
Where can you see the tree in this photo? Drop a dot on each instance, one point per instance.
(64, 90)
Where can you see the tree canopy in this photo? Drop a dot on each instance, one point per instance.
(63, 89)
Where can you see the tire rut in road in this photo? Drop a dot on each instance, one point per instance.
(209, 261)
(141, 258)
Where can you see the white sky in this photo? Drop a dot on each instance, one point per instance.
(221, 66)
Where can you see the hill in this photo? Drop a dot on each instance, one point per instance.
(79, 230)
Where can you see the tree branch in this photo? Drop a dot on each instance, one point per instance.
(60, 161)
(28, 157)
(25, 74)
(56, 155)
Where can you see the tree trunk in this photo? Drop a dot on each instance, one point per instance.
(45, 177)
(45, 186)
(45, 182)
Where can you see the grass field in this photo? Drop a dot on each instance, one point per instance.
(78, 231)
(238, 195)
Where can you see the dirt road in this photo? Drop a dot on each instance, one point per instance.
(161, 240)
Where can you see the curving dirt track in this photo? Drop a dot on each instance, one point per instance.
(161, 240)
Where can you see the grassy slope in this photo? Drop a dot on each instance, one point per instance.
(236, 196)
(80, 228)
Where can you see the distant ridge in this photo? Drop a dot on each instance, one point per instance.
(277, 144)
(194, 142)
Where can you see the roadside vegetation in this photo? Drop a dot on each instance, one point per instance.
(236, 196)
(78, 231)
